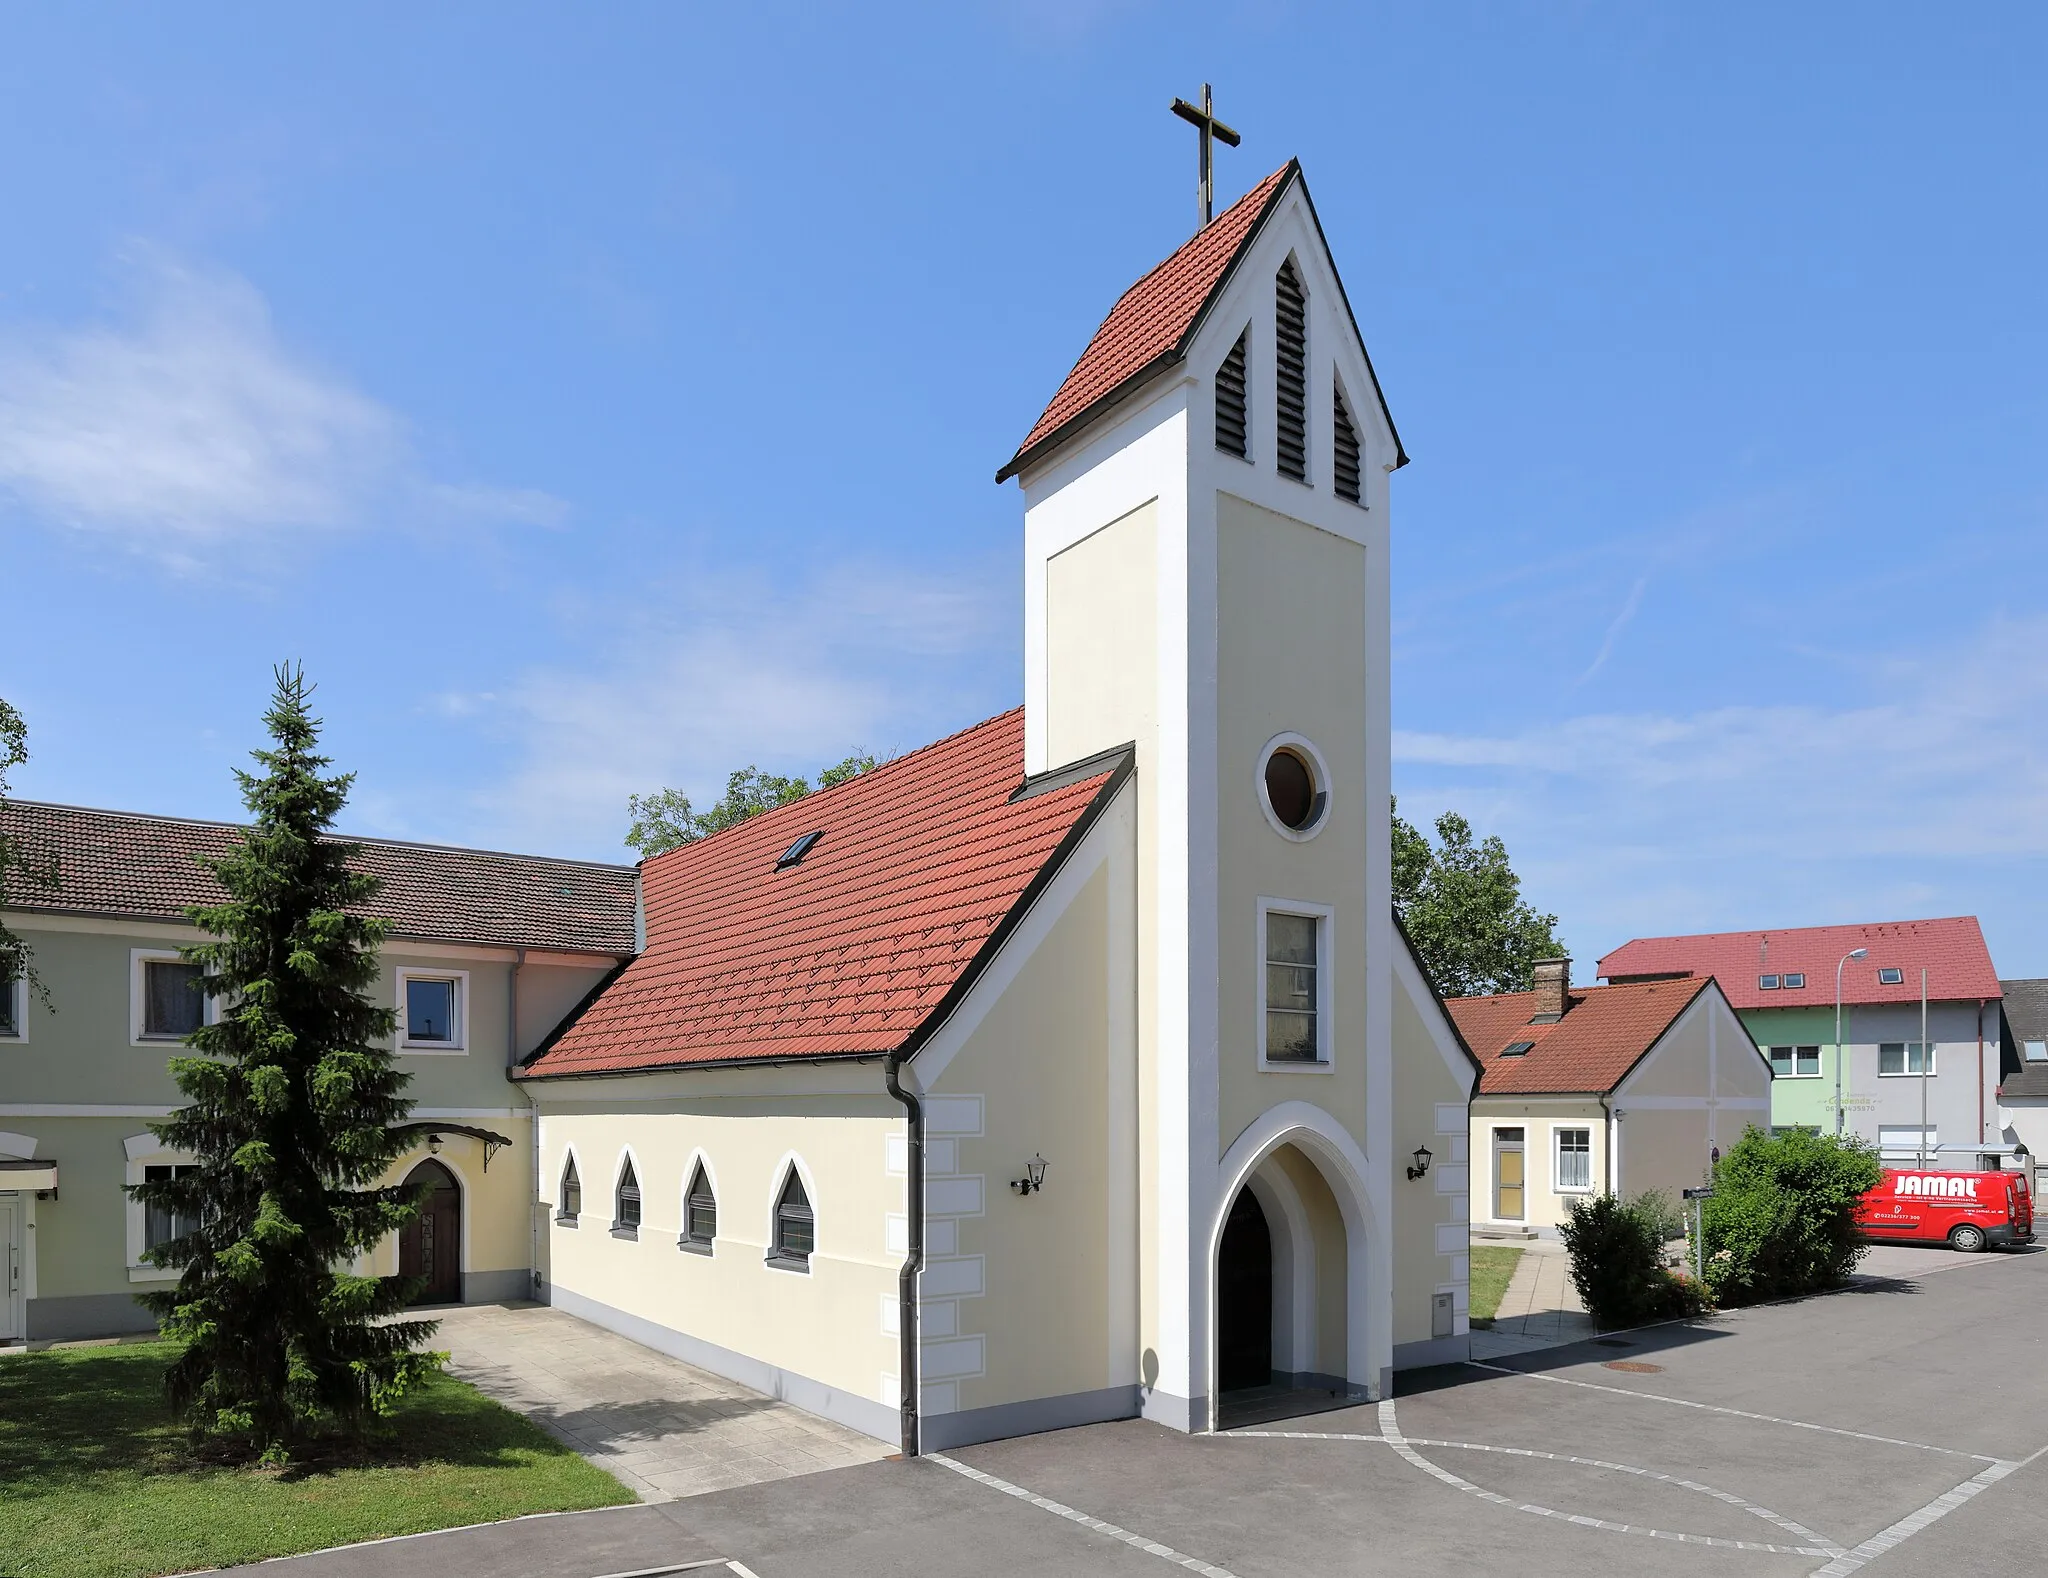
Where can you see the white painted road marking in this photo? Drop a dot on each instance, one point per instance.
(1165, 1553)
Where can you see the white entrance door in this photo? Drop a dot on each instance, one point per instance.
(10, 1268)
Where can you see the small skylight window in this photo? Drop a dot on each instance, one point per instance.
(1794, 980)
(1766, 983)
(798, 850)
(1518, 1049)
(2037, 1051)
(1891, 977)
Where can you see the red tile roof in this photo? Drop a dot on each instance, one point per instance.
(853, 949)
(123, 864)
(1589, 1051)
(1952, 951)
(1153, 321)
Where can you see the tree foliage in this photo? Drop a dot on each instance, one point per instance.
(22, 869)
(1463, 907)
(1617, 1263)
(1782, 1218)
(293, 1092)
(666, 818)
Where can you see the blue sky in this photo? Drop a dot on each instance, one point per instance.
(605, 398)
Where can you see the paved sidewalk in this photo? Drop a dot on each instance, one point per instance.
(1540, 1309)
(665, 1428)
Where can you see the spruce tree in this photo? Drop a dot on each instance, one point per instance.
(293, 1093)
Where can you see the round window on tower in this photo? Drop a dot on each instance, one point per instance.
(1293, 787)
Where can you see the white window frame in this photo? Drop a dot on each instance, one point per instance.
(701, 1246)
(1817, 1062)
(2033, 1051)
(458, 1044)
(209, 1011)
(1930, 1055)
(1557, 1134)
(146, 1150)
(16, 992)
(1320, 784)
(792, 1163)
(1933, 1132)
(561, 1215)
(1326, 1024)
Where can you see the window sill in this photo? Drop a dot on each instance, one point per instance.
(152, 1274)
(430, 1049)
(694, 1246)
(1933, 1073)
(799, 1264)
(619, 1231)
(565, 1221)
(1296, 1065)
(1573, 1189)
(1776, 1075)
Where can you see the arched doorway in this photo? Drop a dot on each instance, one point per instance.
(430, 1246)
(1244, 1298)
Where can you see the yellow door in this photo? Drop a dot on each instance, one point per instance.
(1507, 1175)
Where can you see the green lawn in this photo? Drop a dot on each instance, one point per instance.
(1492, 1268)
(97, 1482)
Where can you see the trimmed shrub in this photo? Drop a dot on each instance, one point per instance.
(1616, 1248)
(1782, 1220)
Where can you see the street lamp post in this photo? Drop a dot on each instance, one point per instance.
(1853, 953)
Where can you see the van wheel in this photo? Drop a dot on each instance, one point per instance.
(1966, 1239)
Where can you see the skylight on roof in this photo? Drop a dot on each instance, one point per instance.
(798, 850)
(1766, 983)
(1794, 980)
(1518, 1049)
(1891, 976)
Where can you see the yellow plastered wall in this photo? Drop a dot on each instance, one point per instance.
(1543, 1204)
(497, 1234)
(1331, 1248)
(1431, 1214)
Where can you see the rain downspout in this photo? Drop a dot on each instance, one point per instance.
(1607, 1150)
(532, 1115)
(1981, 1137)
(913, 1259)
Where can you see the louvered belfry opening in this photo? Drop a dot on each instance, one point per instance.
(1344, 446)
(1290, 371)
(1231, 436)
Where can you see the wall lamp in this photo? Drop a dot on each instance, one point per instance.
(434, 1144)
(1034, 1176)
(1421, 1164)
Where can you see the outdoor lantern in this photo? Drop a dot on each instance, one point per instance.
(434, 1143)
(1034, 1176)
(1421, 1163)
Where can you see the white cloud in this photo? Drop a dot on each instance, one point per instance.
(1770, 815)
(193, 424)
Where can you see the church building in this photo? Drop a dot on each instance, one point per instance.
(1075, 1067)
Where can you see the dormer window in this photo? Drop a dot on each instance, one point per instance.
(1793, 980)
(1290, 372)
(1766, 983)
(1344, 468)
(1232, 436)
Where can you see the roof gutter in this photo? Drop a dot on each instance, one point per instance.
(913, 1259)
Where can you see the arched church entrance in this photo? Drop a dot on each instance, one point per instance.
(430, 1246)
(1244, 1298)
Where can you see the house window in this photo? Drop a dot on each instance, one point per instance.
(571, 1205)
(700, 1213)
(1293, 962)
(1795, 1062)
(626, 1207)
(1293, 787)
(1793, 980)
(2037, 1051)
(1574, 1159)
(1905, 1057)
(432, 1010)
(13, 1007)
(1891, 977)
(173, 1006)
(1766, 983)
(160, 1224)
(795, 1230)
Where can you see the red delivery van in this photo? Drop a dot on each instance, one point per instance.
(1967, 1211)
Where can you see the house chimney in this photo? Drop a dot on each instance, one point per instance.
(1553, 987)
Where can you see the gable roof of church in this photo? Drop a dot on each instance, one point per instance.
(859, 948)
(1155, 322)
(127, 866)
(1604, 1033)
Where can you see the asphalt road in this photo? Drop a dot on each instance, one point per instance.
(1894, 1427)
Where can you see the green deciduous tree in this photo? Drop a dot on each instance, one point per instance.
(666, 818)
(22, 869)
(293, 1092)
(1463, 907)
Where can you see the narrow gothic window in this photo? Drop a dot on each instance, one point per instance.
(1343, 447)
(700, 1211)
(795, 1231)
(1231, 437)
(626, 1216)
(1290, 371)
(572, 1194)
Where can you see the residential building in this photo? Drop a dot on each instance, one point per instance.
(2023, 1083)
(1886, 1087)
(1602, 1090)
(487, 953)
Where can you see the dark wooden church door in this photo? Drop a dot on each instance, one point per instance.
(431, 1245)
(1244, 1298)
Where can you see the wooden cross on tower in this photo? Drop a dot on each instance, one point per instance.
(1204, 120)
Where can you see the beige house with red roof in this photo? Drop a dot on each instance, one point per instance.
(1602, 1090)
(1074, 1067)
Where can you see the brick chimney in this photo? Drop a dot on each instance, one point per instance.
(1553, 987)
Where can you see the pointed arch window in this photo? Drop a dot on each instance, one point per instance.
(1231, 434)
(626, 1208)
(1344, 468)
(570, 1204)
(700, 1214)
(1290, 372)
(795, 1229)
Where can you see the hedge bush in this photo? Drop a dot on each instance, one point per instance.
(1616, 1248)
(1782, 1220)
